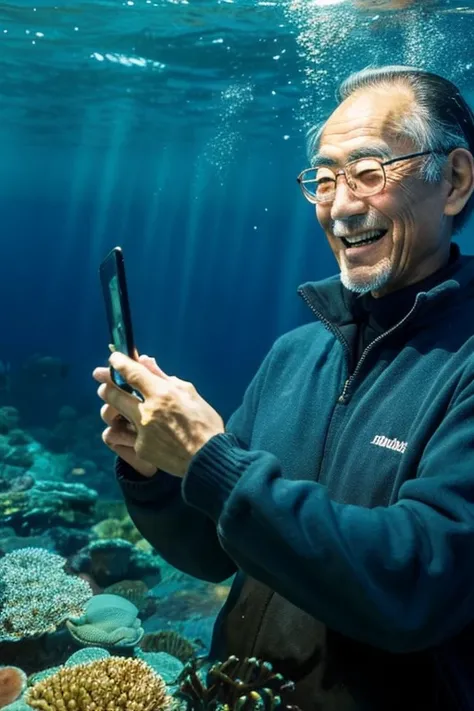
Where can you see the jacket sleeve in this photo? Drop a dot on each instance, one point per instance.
(399, 578)
(183, 535)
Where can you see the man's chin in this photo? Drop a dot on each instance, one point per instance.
(364, 280)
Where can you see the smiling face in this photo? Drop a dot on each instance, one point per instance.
(410, 211)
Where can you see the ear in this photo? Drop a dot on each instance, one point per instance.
(459, 173)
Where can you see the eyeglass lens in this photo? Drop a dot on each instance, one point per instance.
(364, 177)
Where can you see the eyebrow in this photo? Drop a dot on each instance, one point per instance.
(320, 159)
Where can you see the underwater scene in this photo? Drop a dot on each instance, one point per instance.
(174, 129)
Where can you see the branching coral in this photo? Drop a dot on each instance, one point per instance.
(114, 684)
(234, 685)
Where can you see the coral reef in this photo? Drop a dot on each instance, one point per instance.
(137, 592)
(109, 561)
(34, 654)
(9, 541)
(170, 642)
(111, 509)
(85, 656)
(21, 482)
(47, 504)
(109, 621)
(42, 675)
(57, 539)
(240, 685)
(168, 667)
(18, 456)
(62, 515)
(36, 594)
(21, 706)
(68, 540)
(12, 684)
(114, 684)
(117, 528)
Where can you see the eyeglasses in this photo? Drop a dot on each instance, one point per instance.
(365, 177)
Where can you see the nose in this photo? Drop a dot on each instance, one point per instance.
(345, 203)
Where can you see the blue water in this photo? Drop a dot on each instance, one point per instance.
(176, 130)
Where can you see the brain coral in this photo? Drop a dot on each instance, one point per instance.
(115, 684)
(108, 620)
(36, 595)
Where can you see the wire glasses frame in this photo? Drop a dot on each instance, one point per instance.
(303, 178)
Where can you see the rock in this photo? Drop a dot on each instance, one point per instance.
(110, 561)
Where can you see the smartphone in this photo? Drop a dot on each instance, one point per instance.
(117, 306)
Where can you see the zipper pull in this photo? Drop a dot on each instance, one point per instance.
(342, 396)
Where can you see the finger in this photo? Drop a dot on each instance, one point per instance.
(102, 375)
(114, 437)
(125, 453)
(126, 404)
(109, 414)
(112, 417)
(152, 365)
(135, 374)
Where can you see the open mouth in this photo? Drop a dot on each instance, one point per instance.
(365, 239)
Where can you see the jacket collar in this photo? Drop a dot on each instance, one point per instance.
(331, 301)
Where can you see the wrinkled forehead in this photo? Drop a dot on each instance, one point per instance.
(368, 119)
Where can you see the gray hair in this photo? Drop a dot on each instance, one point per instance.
(441, 121)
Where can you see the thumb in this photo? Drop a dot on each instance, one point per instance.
(152, 365)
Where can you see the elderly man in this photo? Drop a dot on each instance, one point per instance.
(341, 491)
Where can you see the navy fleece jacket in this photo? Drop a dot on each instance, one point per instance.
(346, 488)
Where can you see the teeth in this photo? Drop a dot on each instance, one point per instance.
(364, 236)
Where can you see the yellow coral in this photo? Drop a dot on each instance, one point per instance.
(112, 684)
(117, 528)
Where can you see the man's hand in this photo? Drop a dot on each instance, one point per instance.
(119, 435)
(165, 430)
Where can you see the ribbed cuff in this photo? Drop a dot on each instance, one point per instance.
(213, 473)
(141, 489)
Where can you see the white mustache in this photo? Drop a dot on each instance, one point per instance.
(342, 230)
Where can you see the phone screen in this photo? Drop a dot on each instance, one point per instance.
(119, 336)
(114, 288)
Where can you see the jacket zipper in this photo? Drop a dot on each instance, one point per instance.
(343, 397)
